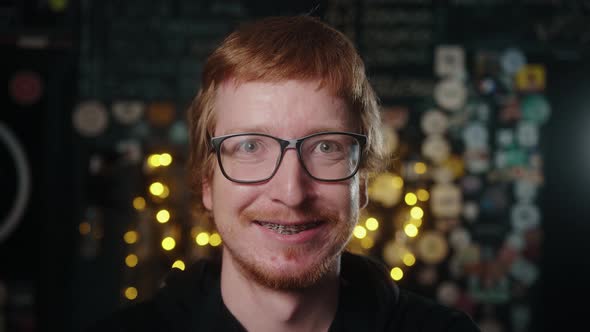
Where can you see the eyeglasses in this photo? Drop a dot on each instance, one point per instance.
(255, 157)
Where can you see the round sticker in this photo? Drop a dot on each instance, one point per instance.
(471, 184)
(475, 136)
(436, 148)
(525, 216)
(504, 137)
(179, 133)
(161, 114)
(535, 108)
(26, 88)
(131, 150)
(446, 201)
(90, 118)
(432, 247)
(477, 161)
(448, 293)
(450, 94)
(525, 190)
(512, 60)
(128, 112)
(527, 134)
(515, 240)
(482, 111)
(501, 159)
(470, 211)
(449, 61)
(459, 238)
(487, 86)
(524, 271)
(443, 174)
(434, 122)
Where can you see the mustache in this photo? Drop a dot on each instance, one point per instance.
(325, 215)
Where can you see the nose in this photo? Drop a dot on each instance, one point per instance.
(291, 184)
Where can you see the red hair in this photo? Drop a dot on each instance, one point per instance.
(277, 49)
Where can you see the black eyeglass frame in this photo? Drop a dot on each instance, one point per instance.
(285, 144)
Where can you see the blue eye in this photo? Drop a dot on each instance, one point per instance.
(249, 146)
(327, 147)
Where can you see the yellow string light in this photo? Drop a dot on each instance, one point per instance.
(168, 243)
(131, 260)
(139, 203)
(396, 273)
(163, 216)
(372, 224)
(410, 199)
(202, 238)
(130, 237)
(359, 232)
(131, 293)
(215, 240)
(178, 264)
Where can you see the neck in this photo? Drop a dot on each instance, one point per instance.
(259, 308)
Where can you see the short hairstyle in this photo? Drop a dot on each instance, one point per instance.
(277, 49)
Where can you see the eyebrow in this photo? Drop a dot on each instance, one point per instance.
(265, 130)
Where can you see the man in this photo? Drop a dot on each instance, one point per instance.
(284, 131)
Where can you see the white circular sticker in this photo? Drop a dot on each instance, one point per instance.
(436, 148)
(448, 293)
(470, 211)
(525, 216)
(504, 137)
(450, 94)
(432, 247)
(475, 135)
(477, 161)
(525, 190)
(446, 200)
(501, 159)
(515, 240)
(443, 174)
(90, 118)
(512, 60)
(527, 134)
(128, 112)
(434, 122)
(459, 238)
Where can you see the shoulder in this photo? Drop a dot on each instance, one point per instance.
(414, 312)
(170, 307)
(395, 308)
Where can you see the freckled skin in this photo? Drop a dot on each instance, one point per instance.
(290, 109)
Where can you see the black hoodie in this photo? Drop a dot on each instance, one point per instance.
(369, 301)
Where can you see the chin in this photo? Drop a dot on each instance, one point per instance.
(294, 270)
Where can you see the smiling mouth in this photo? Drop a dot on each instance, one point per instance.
(288, 229)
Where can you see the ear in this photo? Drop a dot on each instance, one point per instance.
(207, 194)
(363, 190)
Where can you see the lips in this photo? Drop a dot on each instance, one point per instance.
(285, 229)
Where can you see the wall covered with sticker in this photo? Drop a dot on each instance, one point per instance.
(473, 210)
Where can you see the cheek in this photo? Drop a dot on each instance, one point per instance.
(231, 198)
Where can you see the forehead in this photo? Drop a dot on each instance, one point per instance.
(287, 108)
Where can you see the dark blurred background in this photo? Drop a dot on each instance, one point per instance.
(94, 205)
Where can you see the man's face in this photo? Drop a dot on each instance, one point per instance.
(294, 259)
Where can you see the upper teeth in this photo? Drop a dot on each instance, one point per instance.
(288, 229)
